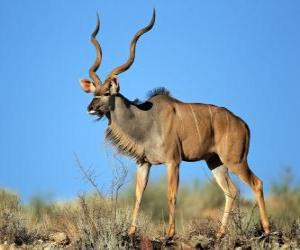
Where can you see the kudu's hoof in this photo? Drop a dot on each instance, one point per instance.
(169, 241)
(168, 238)
(264, 236)
(170, 232)
(131, 231)
(220, 234)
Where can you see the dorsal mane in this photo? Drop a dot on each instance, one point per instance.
(152, 93)
(158, 91)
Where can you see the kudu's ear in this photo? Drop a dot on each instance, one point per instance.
(114, 85)
(87, 86)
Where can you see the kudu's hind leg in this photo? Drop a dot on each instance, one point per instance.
(173, 182)
(230, 191)
(141, 183)
(243, 171)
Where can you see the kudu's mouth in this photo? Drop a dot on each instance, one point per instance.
(98, 113)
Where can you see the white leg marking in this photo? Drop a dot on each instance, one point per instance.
(229, 189)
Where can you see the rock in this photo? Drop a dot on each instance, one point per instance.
(60, 238)
(156, 244)
(201, 242)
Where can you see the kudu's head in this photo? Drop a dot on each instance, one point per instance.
(105, 92)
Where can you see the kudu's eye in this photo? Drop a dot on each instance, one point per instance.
(106, 94)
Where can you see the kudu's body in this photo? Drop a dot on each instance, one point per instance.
(163, 130)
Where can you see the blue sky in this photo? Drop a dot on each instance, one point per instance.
(243, 55)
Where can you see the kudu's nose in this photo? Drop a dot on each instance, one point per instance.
(90, 109)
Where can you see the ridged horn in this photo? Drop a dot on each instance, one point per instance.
(130, 60)
(95, 66)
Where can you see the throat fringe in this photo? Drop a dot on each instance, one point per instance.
(124, 143)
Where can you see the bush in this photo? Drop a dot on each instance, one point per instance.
(12, 227)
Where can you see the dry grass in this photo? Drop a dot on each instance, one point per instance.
(94, 222)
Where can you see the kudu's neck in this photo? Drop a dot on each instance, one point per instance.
(121, 110)
(130, 118)
(128, 127)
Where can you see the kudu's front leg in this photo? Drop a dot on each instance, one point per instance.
(141, 183)
(173, 181)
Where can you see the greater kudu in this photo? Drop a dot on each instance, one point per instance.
(164, 130)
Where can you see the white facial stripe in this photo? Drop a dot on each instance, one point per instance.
(92, 112)
(97, 96)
